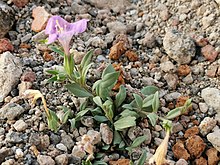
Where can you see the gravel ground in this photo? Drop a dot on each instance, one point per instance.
(177, 44)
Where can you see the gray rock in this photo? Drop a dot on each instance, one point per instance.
(133, 132)
(67, 141)
(177, 127)
(5, 152)
(10, 111)
(13, 137)
(181, 162)
(95, 135)
(20, 125)
(9, 162)
(26, 38)
(45, 160)
(206, 125)
(171, 80)
(61, 159)
(97, 42)
(10, 72)
(167, 66)
(179, 47)
(61, 147)
(19, 153)
(148, 134)
(87, 121)
(212, 96)
(106, 133)
(172, 96)
(116, 5)
(188, 79)
(6, 18)
(116, 27)
(203, 107)
(149, 40)
(214, 138)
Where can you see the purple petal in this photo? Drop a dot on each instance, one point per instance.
(79, 26)
(52, 38)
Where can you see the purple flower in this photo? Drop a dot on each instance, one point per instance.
(58, 28)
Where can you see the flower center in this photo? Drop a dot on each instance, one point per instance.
(58, 27)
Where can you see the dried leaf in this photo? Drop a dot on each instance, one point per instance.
(120, 162)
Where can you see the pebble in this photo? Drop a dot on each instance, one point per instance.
(149, 40)
(26, 38)
(20, 125)
(106, 133)
(19, 153)
(11, 110)
(203, 107)
(77, 151)
(167, 66)
(45, 160)
(209, 53)
(171, 80)
(179, 46)
(61, 159)
(147, 132)
(61, 147)
(214, 139)
(5, 45)
(96, 136)
(179, 151)
(206, 125)
(13, 137)
(177, 127)
(191, 131)
(117, 27)
(181, 162)
(5, 152)
(67, 141)
(212, 155)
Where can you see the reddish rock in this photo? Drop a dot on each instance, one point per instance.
(212, 71)
(195, 145)
(40, 19)
(5, 45)
(191, 131)
(212, 155)
(181, 101)
(47, 56)
(183, 70)
(20, 3)
(201, 161)
(200, 41)
(179, 151)
(209, 53)
(25, 46)
(132, 55)
(120, 162)
(28, 76)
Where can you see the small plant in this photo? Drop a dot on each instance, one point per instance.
(105, 105)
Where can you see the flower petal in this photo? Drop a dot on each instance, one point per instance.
(52, 38)
(79, 26)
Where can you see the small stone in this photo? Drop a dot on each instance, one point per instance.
(11, 111)
(106, 133)
(131, 55)
(177, 127)
(167, 66)
(164, 14)
(5, 45)
(9, 162)
(206, 125)
(96, 136)
(201, 161)
(61, 159)
(171, 80)
(179, 151)
(148, 135)
(97, 42)
(195, 145)
(19, 153)
(67, 141)
(20, 125)
(10, 72)
(181, 162)
(179, 47)
(209, 53)
(149, 40)
(188, 79)
(203, 107)
(6, 18)
(45, 160)
(212, 71)
(183, 70)
(13, 137)
(40, 19)
(208, 20)
(212, 155)
(61, 147)
(191, 131)
(78, 152)
(214, 138)
(34, 139)
(133, 132)
(78, 56)
(44, 142)
(26, 38)
(23, 86)
(5, 152)
(201, 41)
(20, 3)
(87, 121)
(117, 27)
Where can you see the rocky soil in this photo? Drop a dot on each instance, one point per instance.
(175, 46)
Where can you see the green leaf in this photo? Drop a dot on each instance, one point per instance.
(108, 69)
(106, 147)
(84, 72)
(138, 100)
(98, 101)
(149, 90)
(117, 138)
(96, 111)
(122, 144)
(156, 102)
(128, 112)
(77, 90)
(81, 113)
(53, 121)
(99, 162)
(125, 123)
(148, 101)
(53, 72)
(137, 142)
(120, 97)
(96, 84)
(109, 79)
(84, 162)
(100, 119)
(153, 118)
(142, 158)
(65, 117)
(52, 79)
(57, 50)
(128, 106)
(86, 59)
(174, 113)
(73, 122)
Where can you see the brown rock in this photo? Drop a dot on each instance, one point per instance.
(117, 50)
(209, 53)
(212, 155)
(20, 3)
(124, 38)
(200, 41)
(28, 76)
(201, 161)
(179, 151)
(40, 19)
(24, 45)
(120, 162)
(195, 145)
(5, 45)
(183, 70)
(212, 71)
(191, 131)
(132, 56)
(47, 56)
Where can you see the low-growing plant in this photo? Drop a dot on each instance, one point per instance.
(104, 104)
